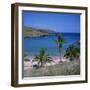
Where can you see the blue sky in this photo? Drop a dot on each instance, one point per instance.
(59, 22)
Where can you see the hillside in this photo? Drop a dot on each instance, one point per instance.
(33, 32)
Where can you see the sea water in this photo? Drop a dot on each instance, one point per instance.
(32, 45)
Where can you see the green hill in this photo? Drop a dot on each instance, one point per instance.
(33, 32)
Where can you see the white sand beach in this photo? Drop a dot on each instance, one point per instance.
(55, 60)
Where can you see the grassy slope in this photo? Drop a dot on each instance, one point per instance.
(33, 32)
(30, 33)
(66, 68)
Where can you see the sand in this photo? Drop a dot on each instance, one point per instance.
(29, 64)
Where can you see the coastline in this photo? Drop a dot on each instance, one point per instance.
(30, 63)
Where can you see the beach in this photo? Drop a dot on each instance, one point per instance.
(53, 68)
(55, 60)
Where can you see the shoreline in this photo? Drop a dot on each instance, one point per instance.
(55, 60)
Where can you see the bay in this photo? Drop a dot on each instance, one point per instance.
(32, 45)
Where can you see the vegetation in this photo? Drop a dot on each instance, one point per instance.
(67, 68)
(60, 41)
(33, 32)
(72, 52)
(26, 60)
(42, 58)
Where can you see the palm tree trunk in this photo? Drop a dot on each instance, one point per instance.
(60, 56)
(42, 64)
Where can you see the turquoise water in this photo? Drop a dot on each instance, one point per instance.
(32, 45)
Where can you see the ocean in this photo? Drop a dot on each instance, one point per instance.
(32, 45)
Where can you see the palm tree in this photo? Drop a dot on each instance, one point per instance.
(60, 41)
(72, 52)
(42, 58)
(47, 58)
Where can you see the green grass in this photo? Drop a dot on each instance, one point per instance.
(34, 32)
(66, 68)
(30, 33)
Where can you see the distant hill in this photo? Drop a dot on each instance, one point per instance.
(36, 32)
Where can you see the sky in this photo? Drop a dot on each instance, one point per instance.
(59, 22)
